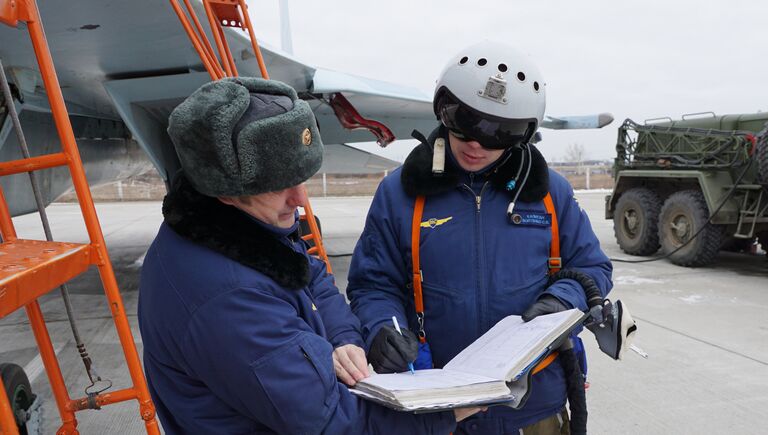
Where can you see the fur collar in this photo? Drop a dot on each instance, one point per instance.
(224, 229)
(417, 177)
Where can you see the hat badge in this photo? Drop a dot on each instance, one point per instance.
(306, 137)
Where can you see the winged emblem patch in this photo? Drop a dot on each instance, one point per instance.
(434, 222)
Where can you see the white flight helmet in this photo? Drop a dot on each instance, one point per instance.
(491, 93)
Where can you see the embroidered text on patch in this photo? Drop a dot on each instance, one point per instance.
(434, 222)
(531, 218)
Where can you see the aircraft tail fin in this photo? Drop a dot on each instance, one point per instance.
(286, 41)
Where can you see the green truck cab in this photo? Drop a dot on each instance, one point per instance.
(691, 187)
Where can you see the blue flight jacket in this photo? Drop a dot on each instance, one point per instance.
(228, 350)
(477, 267)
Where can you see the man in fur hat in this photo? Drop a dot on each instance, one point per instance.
(243, 331)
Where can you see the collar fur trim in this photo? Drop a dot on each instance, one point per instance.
(224, 229)
(418, 179)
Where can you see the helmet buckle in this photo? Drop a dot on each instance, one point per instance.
(495, 89)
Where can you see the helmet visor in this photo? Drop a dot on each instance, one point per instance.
(491, 131)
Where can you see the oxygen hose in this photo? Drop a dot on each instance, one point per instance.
(577, 397)
(574, 377)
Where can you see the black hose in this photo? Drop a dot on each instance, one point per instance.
(594, 297)
(574, 378)
(577, 397)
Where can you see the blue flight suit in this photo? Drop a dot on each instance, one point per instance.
(229, 350)
(477, 265)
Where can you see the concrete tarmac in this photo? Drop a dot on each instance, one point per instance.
(704, 329)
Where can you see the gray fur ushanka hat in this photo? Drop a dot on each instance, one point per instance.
(244, 136)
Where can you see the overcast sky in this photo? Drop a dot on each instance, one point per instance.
(634, 59)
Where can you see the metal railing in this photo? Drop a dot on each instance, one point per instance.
(657, 146)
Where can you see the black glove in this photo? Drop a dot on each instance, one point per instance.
(391, 352)
(547, 304)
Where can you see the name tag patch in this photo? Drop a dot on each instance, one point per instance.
(531, 218)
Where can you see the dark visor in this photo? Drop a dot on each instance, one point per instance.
(491, 131)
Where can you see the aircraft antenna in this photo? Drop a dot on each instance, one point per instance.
(286, 41)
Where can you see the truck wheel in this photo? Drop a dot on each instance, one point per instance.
(682, 215)
(635, 221)
(18, 391)
(761, 155)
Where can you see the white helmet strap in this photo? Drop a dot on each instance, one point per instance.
(438, 157)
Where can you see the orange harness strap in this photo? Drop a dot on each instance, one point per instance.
(554, 263)
(418, 297)
(545, 362)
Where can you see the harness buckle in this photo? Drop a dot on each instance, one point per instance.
(420, 319)
(555, 262)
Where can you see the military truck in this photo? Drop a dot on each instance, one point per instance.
(691, 187)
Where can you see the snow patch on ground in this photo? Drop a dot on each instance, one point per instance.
(593, 190)
(692, 299)
(634, 280)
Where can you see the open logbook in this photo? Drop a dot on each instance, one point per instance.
(479, 374)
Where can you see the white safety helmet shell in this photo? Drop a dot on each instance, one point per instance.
(496, 79)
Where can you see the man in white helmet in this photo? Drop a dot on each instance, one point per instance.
(498, 234)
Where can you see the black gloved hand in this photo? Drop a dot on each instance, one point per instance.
(546, 304)
(391, 352)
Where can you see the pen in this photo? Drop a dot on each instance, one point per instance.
(397, 328)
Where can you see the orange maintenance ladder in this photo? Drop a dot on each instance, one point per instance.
(234, 13)
(32, 268)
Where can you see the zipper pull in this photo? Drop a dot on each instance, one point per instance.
(477, 201)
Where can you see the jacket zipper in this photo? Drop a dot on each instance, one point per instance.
(481, 293)
(483, 305)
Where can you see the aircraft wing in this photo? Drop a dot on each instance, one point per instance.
(402, 109)
(132, 62)
(124, 65)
